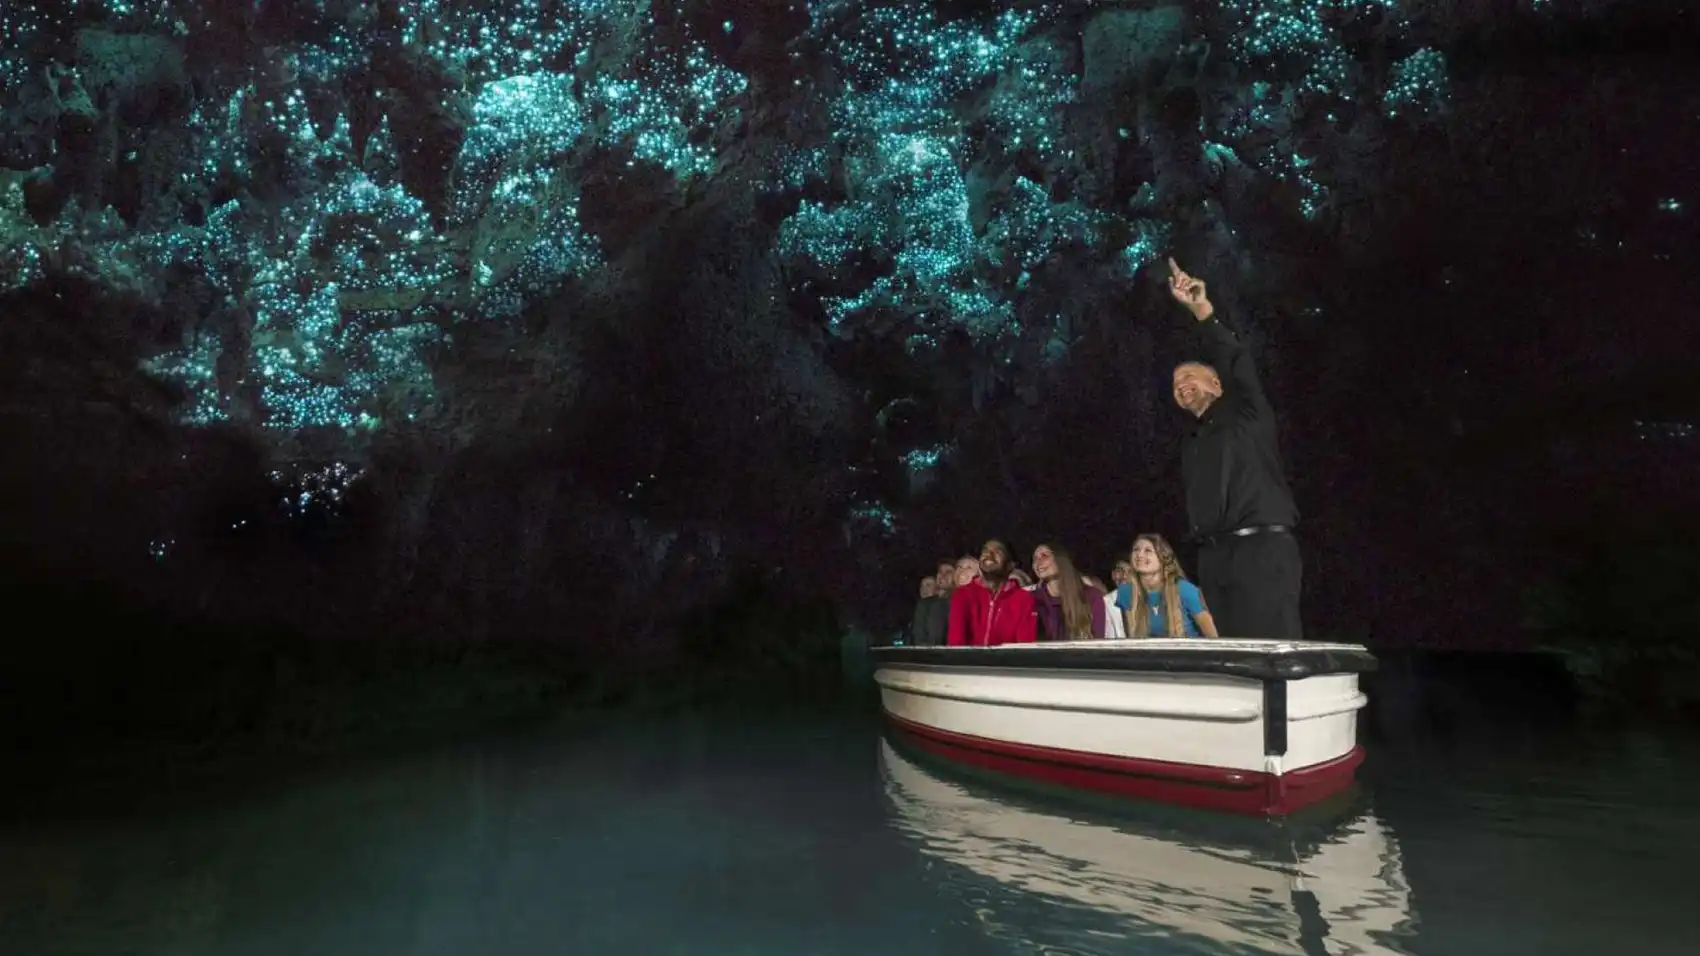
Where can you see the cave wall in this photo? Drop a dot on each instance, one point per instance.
(470, 318)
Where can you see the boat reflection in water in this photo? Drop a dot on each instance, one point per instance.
(1087, 887)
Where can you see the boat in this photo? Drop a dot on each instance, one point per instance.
(1032, 871)
(1239, 726)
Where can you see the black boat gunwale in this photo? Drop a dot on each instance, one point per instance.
(1281, 661)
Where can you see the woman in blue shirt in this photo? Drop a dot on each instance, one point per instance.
(1164, 594)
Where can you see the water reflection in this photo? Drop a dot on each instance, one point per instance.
(761, 838)
(657, 841)
(1067, 884)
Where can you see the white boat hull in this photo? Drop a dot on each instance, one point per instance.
(1251, 726)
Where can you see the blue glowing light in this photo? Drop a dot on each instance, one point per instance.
(954, 178)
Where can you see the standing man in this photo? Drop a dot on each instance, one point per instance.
(993, 608)
(1240, 509)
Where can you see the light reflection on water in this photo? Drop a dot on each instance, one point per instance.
(816, 838)
(1228, 887)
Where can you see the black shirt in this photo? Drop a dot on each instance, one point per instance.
(1230, 458)
(932, 619)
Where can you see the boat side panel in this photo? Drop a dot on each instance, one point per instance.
(1196, 697)
(1322, 719)
(1197, 719)
(1207, 788)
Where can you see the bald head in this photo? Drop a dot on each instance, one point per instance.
(1197, 387)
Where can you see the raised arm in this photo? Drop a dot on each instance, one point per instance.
(1225, 348)
(1227, 351)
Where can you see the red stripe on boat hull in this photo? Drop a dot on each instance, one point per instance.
(1209, 788)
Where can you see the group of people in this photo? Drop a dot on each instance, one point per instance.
(989, 600)
(1240, 511)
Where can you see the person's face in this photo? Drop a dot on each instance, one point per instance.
(929, 587)
(1196, 388)
(1145, 559)
(1120, 573)
(994, 560)
(967, 570)
(1044, 563)
(945, 577)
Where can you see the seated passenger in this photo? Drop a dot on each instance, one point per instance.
(944, 574)
(1068, 608)
(1158, 594)
(1115, 628)
(1118, 577)
(967, 572)
(991, 608)
(1115, 622)
(926, 628)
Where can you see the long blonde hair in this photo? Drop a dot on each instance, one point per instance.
(1139, 615)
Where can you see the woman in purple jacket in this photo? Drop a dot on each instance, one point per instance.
(1068, 609)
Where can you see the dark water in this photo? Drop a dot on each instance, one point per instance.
(816, 837)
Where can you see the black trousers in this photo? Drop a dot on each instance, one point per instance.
(1251, 586)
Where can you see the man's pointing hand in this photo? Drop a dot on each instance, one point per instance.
(1189, 292)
